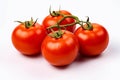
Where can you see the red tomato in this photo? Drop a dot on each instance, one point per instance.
(93, 42)
(61, 51)
(52, 20)
(28, 40)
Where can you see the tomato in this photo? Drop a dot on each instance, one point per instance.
(52, 20)
(28, 39)
(60, 51)
(93, 42)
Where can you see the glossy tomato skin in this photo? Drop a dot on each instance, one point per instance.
(28, 40)
(93, 42)
(62, 51)
(52, 20)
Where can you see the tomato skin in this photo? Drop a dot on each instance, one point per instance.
(52, 20)
(61, 51)
(28, 41)
(93, 42)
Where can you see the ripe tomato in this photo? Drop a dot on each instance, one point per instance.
(52, 20)
(27, 40)
(60, 51)
(93, 42)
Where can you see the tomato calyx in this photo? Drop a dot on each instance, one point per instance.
(28, 24)
(56, 34)
(54, 13)
(88, 25)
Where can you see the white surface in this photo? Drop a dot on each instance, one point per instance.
(14, 66)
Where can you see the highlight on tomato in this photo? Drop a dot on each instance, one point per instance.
(60, 48)
(59, 17)
(27, 37)
(93, 38)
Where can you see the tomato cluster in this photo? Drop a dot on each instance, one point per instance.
(58, 39)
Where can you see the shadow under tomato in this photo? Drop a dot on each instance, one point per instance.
(83, 58)
(79, 59)
(32, 56)
(61, 67)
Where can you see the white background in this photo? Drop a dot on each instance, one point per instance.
(14, 66)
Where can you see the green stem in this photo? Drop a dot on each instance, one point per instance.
(77, 21)
(59, 33)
